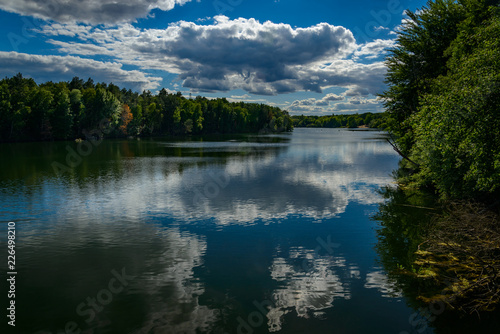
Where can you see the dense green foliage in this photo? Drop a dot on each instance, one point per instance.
(457, 130)
(444, 94)
(69, 110)
(371, 120)
(418, 58)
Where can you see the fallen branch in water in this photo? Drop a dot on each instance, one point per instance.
(416, 206)
(401, 153)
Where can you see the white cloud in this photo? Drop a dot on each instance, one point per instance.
(311, 105)
(330, 103)
(307, 102)
(241, 97)
(89, 11)
(375, 49)
(47, 68)
(359, 104)
(405, 22)
(260, 58)
(247, 98)
(332, 97)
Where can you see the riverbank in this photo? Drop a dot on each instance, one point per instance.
(461, 253)
(449, 250)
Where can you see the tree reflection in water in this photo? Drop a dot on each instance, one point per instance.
(404, 220)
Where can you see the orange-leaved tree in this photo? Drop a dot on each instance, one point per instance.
(126, 117)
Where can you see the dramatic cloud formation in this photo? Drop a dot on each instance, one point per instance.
(89, 11)
(54, 68)
(245, 52)
(261, 58)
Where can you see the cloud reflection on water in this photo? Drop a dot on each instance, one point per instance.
(118, 202)
(309, 284)
(172, 289)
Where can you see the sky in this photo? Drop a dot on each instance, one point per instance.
(315, 57)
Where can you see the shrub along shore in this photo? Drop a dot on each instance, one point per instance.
(443, 98)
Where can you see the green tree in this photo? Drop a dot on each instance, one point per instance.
(457, 129)
(6, 114)
(62, 118)
(66, 110)
(38, 124)
(351, 122)
(177, 119)
(197, 118)
(152, 117)
(77, 109)
(418, 58)
(241, 118)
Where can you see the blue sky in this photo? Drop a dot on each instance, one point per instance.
(311, 57)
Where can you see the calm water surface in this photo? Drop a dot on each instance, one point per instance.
(237, 234)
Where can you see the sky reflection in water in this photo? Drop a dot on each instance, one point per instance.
(208, 229)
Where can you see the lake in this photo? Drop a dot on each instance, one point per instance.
(216, 234)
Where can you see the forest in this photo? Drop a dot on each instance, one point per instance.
(443, 98)
(370, 120)
(70, 110)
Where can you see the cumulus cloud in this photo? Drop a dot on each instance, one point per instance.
(375, 49)
(260, 58)
(306, 106)
(89, 11)
(357, 91)
(358, 105)
(347, 102)
(47, 68)
(380, 28)
(312, 104)
(332, 97)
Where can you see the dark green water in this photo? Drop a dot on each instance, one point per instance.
(243, 234)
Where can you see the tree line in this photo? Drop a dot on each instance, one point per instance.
(444, 96)
(69, 110)
(371, 120)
